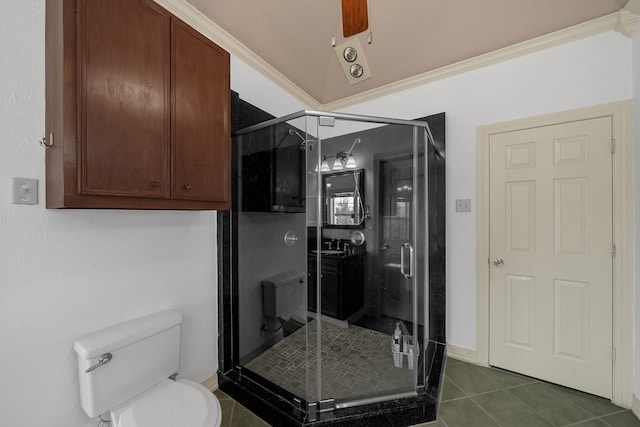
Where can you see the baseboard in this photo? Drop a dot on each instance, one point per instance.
(461, 353)
(211, 383)
(335, 322)
(635, 406)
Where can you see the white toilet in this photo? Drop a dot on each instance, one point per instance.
(124, 371)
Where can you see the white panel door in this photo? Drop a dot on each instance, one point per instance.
(551, 253)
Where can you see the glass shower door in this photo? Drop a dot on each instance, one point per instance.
(366, 262)
(273, 340)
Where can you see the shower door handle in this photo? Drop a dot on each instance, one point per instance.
(411, 261)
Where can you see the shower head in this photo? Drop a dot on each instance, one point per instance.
(294, 132)
(304, 141)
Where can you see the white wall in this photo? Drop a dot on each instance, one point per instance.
(636, 132)
(262, 92)
(587, 72)
(67, 273)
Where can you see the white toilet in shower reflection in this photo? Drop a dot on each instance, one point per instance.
(283, 301)
(124, 372)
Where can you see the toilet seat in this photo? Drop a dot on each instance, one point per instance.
(168, 404)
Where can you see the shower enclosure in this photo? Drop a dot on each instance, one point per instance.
(326, 263)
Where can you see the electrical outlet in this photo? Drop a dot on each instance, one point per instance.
(463, 205)
(25, 191)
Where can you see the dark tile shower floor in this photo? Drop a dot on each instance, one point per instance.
(355, 362)
(475, 396)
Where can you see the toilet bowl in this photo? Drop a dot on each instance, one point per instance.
(169, 404)
(124, 375)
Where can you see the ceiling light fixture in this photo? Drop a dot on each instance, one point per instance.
(350, 54)
(352, 59)
(356, 71)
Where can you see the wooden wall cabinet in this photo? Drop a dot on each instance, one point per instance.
(137, 109)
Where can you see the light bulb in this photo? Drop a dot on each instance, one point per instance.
(324, 167)
(351, 162)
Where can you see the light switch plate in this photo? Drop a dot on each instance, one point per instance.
(463, 205)
(25, 191)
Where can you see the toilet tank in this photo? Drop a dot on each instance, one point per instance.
(282, 294)
(144, 352)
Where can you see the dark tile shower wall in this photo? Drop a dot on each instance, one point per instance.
(437, 228)
(243, 114)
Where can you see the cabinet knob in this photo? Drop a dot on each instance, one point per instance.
(187, 186)
(155, 183)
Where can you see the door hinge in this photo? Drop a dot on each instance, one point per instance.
(613, 250)
(613, 355)
(613, 146)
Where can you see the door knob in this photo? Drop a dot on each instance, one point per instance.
(498, 262)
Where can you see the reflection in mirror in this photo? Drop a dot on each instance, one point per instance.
(343, 195)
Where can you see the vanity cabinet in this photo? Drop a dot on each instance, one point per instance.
(342, 292)
(137, 109)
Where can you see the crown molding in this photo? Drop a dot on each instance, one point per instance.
(627, 23)
(566, 35)
(624, 21)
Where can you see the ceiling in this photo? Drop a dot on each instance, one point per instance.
(409, 37)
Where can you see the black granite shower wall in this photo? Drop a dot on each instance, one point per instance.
(243, 114)
(437, 228)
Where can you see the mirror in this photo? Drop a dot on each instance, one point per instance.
(343, 195)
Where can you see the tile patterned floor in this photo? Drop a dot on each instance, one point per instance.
(236, 415)
(288, 365)
(474, 396)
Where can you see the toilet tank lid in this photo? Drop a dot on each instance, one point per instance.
(117, 336)
(282, 278)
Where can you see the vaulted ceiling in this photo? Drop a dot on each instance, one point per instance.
(408, 37)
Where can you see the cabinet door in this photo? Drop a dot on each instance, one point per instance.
(200, 117)
(330, 288)
(124, 132)
(311, 283)
(352, 285)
